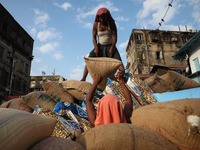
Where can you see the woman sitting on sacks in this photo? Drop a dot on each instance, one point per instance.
(109, 108)
(105, 29)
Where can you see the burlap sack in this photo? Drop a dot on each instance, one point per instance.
(20, 130)
(77, 89)
(39, 98)
(53, 143)
(17, 103)
(179, 81)
(122, 136)
(104, 66)
(56, 91)
(158, 85)
(169, 119)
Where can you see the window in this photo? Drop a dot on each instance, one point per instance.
(167, 37)
(24, 86)
(154, 36)
(22, 66)
(8, 57)
(185, 38)
(13, 34)
(18, 84)
(159, 55)
(26, 69)
(138, 36)
(196, 64)
(5, 78)
(1, 51)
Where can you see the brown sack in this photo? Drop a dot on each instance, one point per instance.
(121, 136)
(179, 81)
(169, 119)
(19, 129)
(17, 103)
(104, 66)
(159, 85)
(53, 143)
(56, 91)
(39, 98)
(77, 89)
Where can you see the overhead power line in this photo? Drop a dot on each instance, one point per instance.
(163, 19)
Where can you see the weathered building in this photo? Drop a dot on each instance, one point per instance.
(16, 48)
(147, 48)
(36, 81)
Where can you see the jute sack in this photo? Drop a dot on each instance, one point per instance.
(169, 119)
(120, 136)
(56, 91)
(104, 66)
(20, 130)
(53, 143)
(39, 98)
(159, 85)
(77, 89)
(179, 81)
(17, 103)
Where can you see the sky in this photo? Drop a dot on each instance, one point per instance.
(62, 29)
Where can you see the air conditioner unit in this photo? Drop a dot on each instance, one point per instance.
(190, 30)
(174, 39)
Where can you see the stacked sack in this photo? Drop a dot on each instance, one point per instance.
(24, 130)
(30, 121)
(120, 136)
(60, 101)
(178, 121)
(52, 118)
(173, 86)
(44, 103)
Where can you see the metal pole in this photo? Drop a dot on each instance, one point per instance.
(13, 60)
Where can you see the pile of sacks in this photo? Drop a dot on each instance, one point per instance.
(173, 86)
(56, 118)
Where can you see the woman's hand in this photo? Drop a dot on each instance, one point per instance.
(96, 51)
(111, 51)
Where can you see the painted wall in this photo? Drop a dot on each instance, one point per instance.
(194, 53)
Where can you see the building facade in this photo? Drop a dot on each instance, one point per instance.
(36, 81)
(147, 48)
(16, 48)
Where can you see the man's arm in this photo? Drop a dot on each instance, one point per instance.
(89, 105)
(128, 108)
